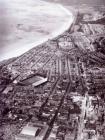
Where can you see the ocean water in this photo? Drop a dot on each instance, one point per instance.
(23, 24)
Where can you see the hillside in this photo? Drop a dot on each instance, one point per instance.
(79, 2)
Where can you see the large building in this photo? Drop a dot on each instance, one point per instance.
(32, 132)
(34, 80)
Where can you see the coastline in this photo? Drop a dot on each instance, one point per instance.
(52, 35)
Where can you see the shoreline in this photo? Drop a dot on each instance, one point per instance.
(51, 36)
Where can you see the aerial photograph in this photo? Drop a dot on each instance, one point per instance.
(52, 70)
